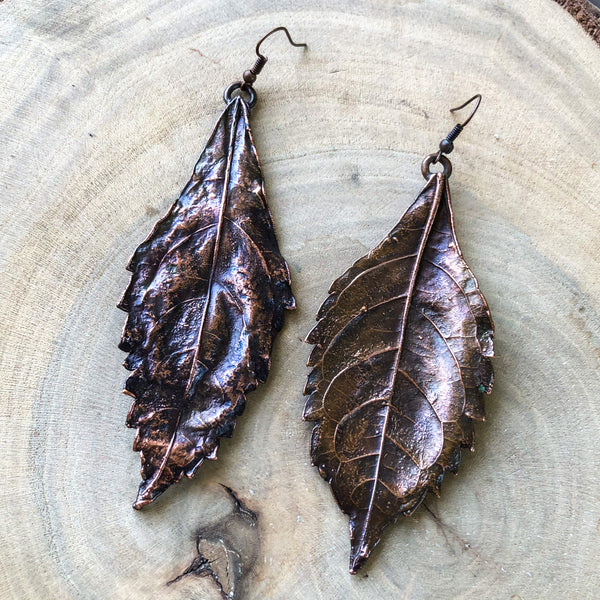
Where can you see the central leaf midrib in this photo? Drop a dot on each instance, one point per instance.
(415, 272)
(218, 234)
(224, 196)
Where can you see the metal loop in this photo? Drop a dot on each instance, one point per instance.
(432, 159)
(244, 87)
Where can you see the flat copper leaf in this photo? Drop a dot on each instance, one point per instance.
(401, 362)
(205, 302)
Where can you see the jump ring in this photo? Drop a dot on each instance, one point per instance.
(240, 85)
(432, 159)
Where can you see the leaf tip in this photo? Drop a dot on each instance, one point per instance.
(147, 493)
(361, 547)
(141, 500)
(366, 527)
(358, 557)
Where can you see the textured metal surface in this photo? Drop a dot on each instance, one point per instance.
(401, 362)
(205, 302)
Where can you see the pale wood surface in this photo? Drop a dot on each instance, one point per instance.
(104, 108)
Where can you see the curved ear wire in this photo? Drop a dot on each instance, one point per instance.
(475, 97)
(447, 144)
(289, 37)
(251, 74)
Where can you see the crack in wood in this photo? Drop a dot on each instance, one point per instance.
(226, 550)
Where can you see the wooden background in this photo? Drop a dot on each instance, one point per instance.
(104, 108)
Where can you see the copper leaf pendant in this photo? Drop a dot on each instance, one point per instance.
(401, 362)
(205, 302)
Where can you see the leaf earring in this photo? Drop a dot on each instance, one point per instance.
(400, 365)
(205, 302)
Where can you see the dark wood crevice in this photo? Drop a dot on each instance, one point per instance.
(226, 550)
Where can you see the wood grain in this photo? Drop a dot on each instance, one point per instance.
(586, 13)
(104, 110)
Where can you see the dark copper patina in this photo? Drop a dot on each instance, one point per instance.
(205, 302)
(401, 362)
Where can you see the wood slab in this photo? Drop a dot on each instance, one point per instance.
(104, 110)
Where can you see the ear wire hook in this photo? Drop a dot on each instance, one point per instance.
(447, 145)
(475, 97)
(251, 74)
(289, 37)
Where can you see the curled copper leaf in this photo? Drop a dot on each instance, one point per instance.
(401, 362)
(205, 302)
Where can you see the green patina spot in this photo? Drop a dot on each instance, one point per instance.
(481, 388)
